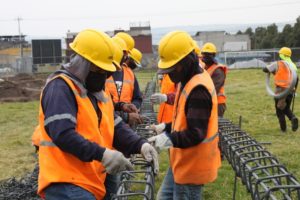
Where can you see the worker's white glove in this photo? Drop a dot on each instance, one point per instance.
(159, 128)
(161, 141)
(115, 162)
(150, 155)
(158, 98)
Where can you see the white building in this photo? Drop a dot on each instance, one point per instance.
(224, 41)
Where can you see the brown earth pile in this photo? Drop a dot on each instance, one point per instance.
(21, 88)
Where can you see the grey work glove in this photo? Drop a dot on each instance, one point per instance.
(158, 98)
(159, 128)
(161, 141)
(115, 162)
(150, 154)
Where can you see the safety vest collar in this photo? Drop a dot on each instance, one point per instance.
(100, 96)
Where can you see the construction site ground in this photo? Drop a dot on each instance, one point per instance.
(21, 87)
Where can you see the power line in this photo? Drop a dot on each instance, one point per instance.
(204, 10)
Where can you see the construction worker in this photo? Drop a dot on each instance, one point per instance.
(135, 59)
(123, 85)
(78, 127)
(282, 80)
(193, 134)
(217, 72)
(166, 100)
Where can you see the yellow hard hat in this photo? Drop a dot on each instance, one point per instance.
(120, 42)
(118, 54)
(197, 48)
(173, 47)
(209, 48)
(127, 39)
(136, 55)
(96, 47)
(285, 51)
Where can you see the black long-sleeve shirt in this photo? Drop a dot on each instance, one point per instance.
(59, 99)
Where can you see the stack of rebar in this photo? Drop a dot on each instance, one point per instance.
(262, 174)
(140, 183)
(20, 189)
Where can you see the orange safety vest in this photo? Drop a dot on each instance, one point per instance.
(198, 164)
(221, 93)
(166, 110)
(57, 166)
(126, 93)
(35, 138)
(283, 75)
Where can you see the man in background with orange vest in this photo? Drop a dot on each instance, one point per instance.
(217, 72)
(193, 134)
(166, 99)
(78, 127)
(282, 80)
(123, 85)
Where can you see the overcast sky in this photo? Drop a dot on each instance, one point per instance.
(56, 17)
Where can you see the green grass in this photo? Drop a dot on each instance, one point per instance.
(17, 122)
(247, 97)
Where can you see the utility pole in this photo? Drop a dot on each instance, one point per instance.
(21, 42)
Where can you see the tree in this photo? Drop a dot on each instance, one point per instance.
(296, 33)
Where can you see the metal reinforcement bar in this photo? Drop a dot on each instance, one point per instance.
(140, 183)
(262, 174)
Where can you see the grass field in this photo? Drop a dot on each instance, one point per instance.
(246, 97)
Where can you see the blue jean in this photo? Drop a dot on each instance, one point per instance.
(66, 191)
(170, 190)
(111, 185)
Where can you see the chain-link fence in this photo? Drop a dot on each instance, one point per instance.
(255, 58)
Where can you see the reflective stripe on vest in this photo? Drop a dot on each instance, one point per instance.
(197, 164)
(283, 75)
(126, 93)
(165, 111)
(57, 166)
(221, 92)
(60, 117)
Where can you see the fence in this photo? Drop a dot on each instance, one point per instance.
(255, 58)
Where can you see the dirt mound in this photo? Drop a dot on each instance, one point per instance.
(22, 87)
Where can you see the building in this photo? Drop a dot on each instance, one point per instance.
(141, 33)
(12, 41)
(224, 41)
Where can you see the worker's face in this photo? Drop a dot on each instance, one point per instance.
(208, 59)
(96, 78)
(131, 63)
(177, 74)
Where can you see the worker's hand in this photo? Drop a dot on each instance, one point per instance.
(134, 118)
(161, 141)
(150, 155)
(115, 162)
(158, 98)
(159, 128)
(129, 108)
